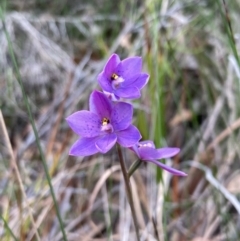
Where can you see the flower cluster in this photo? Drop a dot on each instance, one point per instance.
(109, 120)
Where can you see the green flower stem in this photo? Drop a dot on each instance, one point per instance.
(134, 167)
(128, 189)
(26, 102)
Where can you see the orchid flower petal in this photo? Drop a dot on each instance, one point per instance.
(121, 116)
(111, 65)
(149, 153)
(111, 96)
(129, 67)
(148, 143)
(129, 136)
(128, 93)
(104, 82)
(100, 104)
(146, 152)
(106, 142)
(85, 123)
(139, 81)
(84, 147)
(167, 168)
(167, 152)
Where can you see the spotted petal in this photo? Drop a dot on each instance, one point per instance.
(85, 123)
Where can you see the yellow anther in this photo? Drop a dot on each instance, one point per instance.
(105, 121)
(114, 76)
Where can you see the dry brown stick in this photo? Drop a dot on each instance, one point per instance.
(137, 205)
(17, 172)
(143, 193)
(229, 130)
(93, 232)
(41, 217)
(100, 183)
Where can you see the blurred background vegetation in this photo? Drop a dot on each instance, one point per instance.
(50, 55)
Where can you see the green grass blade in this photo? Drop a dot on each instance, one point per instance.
(8, 228)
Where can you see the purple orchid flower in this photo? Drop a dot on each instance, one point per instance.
(100, 128)
(146, 151)
(123, 79)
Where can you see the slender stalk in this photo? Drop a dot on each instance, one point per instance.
(8, 228)
(134, 167)
(26, 102)
(128, 189)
